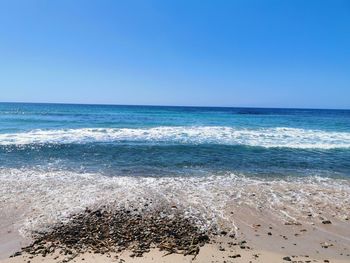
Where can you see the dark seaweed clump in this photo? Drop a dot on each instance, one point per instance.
(106, 231)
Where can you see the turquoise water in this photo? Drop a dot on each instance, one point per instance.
(58, 159)
(174, 141)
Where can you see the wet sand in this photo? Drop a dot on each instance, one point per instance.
(277, 219)
(259, 238)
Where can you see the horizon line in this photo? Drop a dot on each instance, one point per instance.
(162, 105)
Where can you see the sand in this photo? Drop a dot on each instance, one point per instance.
(277, 219)
(264, 240)
(209, 254)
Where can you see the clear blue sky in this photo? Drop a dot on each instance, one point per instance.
(285, 53)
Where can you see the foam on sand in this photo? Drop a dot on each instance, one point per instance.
(34, 198)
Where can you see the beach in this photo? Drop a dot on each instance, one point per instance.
(296, 227)
(257, 239)
(174, 131)
(103, 183)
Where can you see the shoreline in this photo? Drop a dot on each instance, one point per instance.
(277, 218)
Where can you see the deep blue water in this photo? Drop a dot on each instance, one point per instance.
(175, 141)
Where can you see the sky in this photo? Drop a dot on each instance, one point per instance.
(286, 53)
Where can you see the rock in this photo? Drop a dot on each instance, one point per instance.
(326, 222)
(287, 259)
(326, 245)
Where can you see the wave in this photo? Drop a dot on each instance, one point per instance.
(264, 137)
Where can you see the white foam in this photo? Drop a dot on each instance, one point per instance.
(34, 198)
(265, 137)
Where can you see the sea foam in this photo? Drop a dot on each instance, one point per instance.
(34, 198)
(264, 137)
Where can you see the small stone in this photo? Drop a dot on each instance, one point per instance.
(326, 222)
(326, 245)
(287, 259)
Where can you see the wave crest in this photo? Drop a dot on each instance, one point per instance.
(264, 137)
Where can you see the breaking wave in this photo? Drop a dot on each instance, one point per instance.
(264, 137)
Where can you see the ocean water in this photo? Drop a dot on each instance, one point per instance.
(59, 158)
(175, 141)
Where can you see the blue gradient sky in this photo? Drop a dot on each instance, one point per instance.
(285, 53)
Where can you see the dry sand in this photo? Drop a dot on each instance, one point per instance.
(208, 254)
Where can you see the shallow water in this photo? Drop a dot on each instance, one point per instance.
(36, 198)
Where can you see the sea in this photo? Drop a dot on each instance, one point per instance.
(58, 158)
